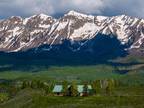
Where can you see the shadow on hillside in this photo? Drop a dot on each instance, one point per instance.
(98, 50)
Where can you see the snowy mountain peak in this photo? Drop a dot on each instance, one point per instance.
(122, 16)
(44, 16)
(27, 19)
(72, 12)
(78, 14)
(18, 17)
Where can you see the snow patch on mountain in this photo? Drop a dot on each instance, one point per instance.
(27, 19)
(16, 31)
(43, 16)
(44, 26)
(138, 43)
(101, 18)
(84, 32)
(62, 25)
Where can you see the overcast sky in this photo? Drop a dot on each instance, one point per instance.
(55, 8)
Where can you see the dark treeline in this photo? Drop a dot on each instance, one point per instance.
(98, 50)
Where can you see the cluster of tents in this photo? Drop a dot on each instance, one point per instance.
(78, 90)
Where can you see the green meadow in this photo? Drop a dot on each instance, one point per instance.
(128, 95)
(66, 72)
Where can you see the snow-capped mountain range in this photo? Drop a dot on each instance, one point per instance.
(21, 34)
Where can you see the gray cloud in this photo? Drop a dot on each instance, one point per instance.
(27, 8)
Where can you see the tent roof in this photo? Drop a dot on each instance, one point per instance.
(80, 88)
(57, 88)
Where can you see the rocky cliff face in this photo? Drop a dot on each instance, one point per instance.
(18, 34)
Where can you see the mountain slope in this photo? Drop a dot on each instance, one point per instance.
(17, 34)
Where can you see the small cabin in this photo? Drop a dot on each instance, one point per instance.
(81, 90)
(58, 90)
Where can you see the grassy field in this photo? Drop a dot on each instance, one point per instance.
(29, 98)
(79, 73)
(12, 69)
(66, 72)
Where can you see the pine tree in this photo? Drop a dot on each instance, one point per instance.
(65, 88)
(47, 89)
(33, 84)
(24, 84)
(73, 89)
(110, 87)
(38, 84)
(96, 86)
